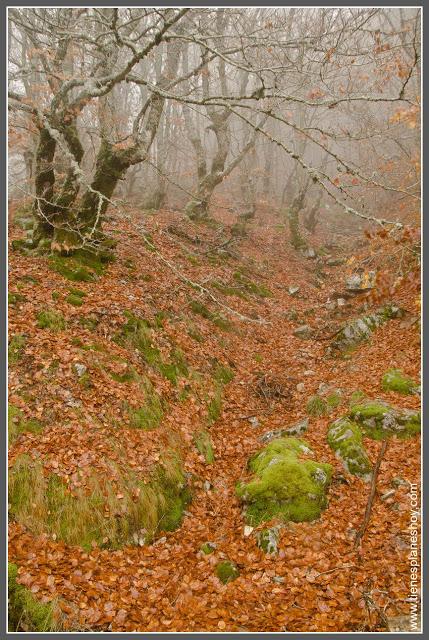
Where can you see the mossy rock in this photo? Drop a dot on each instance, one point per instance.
(17, 424)
(345, 438)
(268, 540)
(82, 266)
(25, 612)
(357, 397)
(51, 319)
(380, 420)
(16, 348)
(396, 380)
(360, 330)
(317, 406)
(333, 400)
(227, 571)
(208, 547)
(285, 486)
(204, 446)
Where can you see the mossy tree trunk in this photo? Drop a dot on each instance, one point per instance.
(295, 208)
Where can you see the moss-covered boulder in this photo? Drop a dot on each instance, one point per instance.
(25, 612)
(227, 571)
(361, 328)
(380, 420)
(268, 540)
(345, 438)
(396, 380)
(285, 486)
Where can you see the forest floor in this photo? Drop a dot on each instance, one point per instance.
(318, 581)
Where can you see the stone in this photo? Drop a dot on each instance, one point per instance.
(268, 540)
(79, 368)
(208, 547)
(361, 282)
(247, 530)
(254, 421)
(293, 290)
(310, 253)
(295, 429)
(309, 372)
(361, 328)
(345, 438)
(304, 331)
(300, 387)
(227, 571)
(380, 420)
(284, 486)
(341, 302)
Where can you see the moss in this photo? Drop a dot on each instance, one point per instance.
(82, 266)
(258, 357)
(13, 298)
(379, 420)
(204, 446)
(227, 571)
(76, 301)
(148, 416)
(285, 486)
(223, 374)
(218, 319)
(208, 547)
(317, 406)
(51, 319)
(110, 514)
(214, 407)
(56, 296)
(17, 424)
(25, 612)
(228, 290)
(396, 380)
(345, 438)
(268, 539)
(16, 348)
(85, 381)
(77, 292)
(252, 287)
(357, 397)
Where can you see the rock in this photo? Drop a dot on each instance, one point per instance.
(361, 282)
(300, 387)
(396, 380)
(227, 571)
(254, 421)
(380, 420)
(360, 329)
(309, 372)
(341, 302)
(330, 305)
(345, 438)
(293, 291)
(278, 579)
(208, 547)
(268, 540)
(295, 429)
(310, 253)
(247, 531)
(79, 368)
(323, 387)
(304, 331)
(285, 486)
(207, 485)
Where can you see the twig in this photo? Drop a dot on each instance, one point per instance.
(368, 509)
